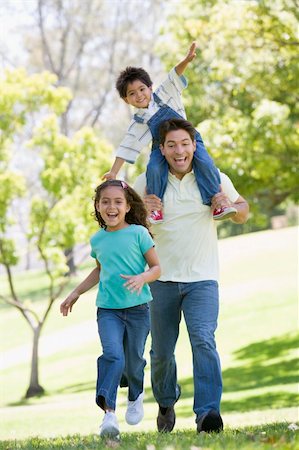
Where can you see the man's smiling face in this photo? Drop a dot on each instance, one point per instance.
(178, 150)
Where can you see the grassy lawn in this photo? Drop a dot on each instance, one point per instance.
(257, 339)
(263, 437)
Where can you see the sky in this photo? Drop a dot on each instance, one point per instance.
(14, 14)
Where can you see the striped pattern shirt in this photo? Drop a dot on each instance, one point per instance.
(138, 134)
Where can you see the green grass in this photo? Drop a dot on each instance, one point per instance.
(262, 437)
(257, 339)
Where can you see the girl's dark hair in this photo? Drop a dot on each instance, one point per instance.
(138, 213)
(129, 75)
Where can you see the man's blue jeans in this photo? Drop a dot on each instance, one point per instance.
(123, 333)
(199, 302)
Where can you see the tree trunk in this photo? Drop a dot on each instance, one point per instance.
(34, 388)
(70, 261)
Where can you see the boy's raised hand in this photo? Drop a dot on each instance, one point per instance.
(181, 66)
(109, 176)
(191, 52)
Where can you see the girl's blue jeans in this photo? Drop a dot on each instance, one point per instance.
(123, 334)
(199, 303)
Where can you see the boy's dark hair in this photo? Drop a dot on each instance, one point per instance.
(129, 75)
(138, 213)
(173, 125)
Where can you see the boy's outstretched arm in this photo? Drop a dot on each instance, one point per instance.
(112, 174)
(181, 66)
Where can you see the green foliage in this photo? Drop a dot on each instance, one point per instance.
(8, 256)
(11, 186)
(20, 95)
(242, 92)
(59, 215)
(60, 212)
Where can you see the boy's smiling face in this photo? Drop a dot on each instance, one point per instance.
(138, 94)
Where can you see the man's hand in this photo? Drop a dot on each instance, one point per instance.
(220, 200)
(152, 203)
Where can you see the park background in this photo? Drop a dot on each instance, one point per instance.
(61, 120)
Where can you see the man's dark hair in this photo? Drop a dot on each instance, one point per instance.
(173, 125)
(129, 75)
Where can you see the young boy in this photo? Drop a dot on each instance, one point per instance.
(152, 108)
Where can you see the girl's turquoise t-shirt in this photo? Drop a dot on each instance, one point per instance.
(121, 252)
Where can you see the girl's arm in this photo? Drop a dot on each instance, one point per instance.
(181, 66)
(135, 282)
(90, 281)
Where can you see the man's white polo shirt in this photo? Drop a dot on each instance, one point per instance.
(186, 242)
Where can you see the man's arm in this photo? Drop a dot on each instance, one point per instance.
(242, 208)
(181, 66)
(241, 205)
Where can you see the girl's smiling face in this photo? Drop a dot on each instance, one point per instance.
(113, 207)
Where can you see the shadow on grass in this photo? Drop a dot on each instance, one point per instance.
(268, 400)
(76, 388)
(273, 348)
(257, 375)
(71, 389)
(264, 364)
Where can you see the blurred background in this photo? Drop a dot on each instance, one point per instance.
(60, 122)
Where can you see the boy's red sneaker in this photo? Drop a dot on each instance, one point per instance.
(156, 217)
(224, 213)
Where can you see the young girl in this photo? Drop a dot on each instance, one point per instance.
(122, 248)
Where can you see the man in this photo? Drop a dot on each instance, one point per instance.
(186, 244)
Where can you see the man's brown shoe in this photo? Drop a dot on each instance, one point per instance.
(210, 422)
(166, 419)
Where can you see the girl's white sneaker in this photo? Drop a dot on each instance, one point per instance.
(135, 411)
(109, 427)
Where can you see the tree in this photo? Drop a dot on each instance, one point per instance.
(86, 44)
(60, 211)
(242, 92)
